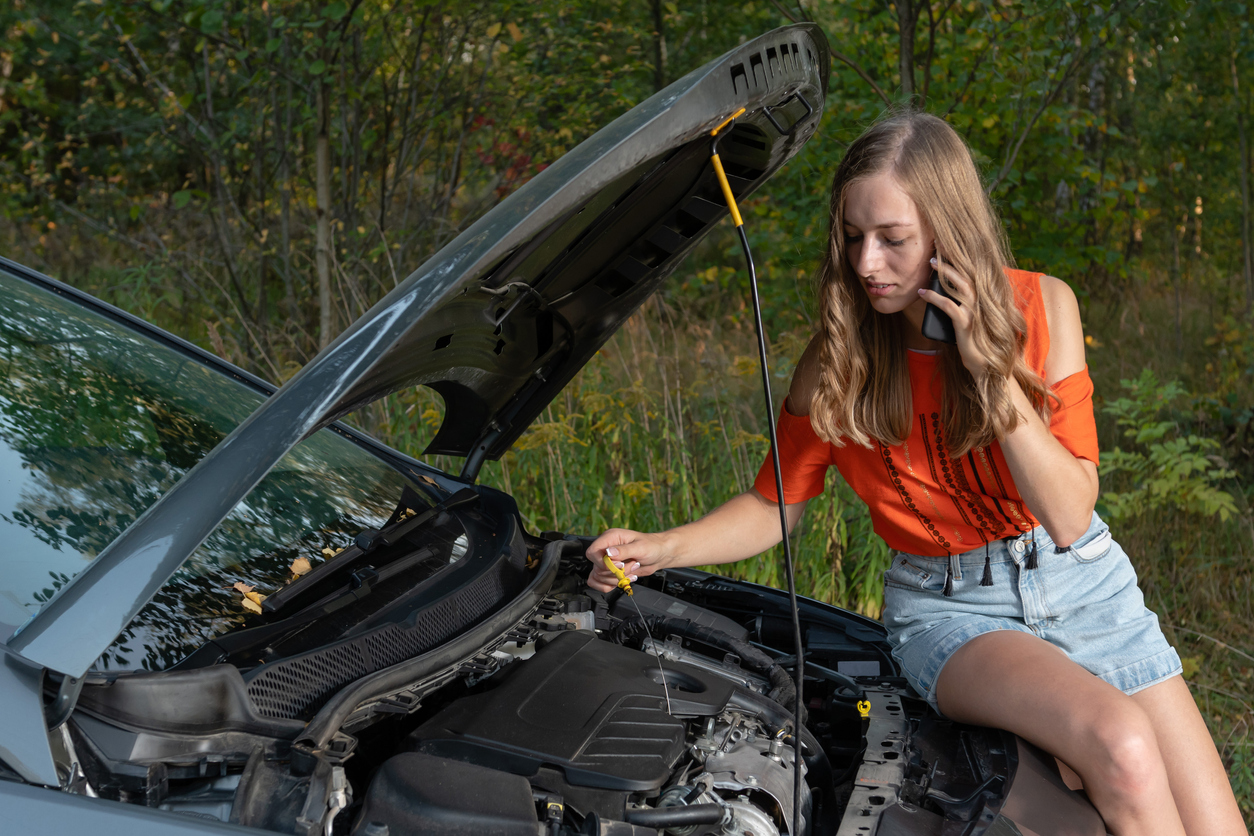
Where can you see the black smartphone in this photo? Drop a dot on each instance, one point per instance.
(937, 324)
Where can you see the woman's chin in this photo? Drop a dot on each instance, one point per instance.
(889, 304)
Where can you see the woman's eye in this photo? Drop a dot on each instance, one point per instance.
(852, 239)
(895, 243)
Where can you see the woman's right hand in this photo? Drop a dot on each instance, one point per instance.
(635, 552)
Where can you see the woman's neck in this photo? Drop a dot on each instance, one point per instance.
(914, 329)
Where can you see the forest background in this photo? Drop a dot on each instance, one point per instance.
(254, 175)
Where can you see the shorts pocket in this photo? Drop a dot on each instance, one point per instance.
(1094, 548)
(906, 574)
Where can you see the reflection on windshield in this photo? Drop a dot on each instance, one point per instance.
(96, 423)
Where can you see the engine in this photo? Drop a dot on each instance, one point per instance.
(585, 715)
(588, 726)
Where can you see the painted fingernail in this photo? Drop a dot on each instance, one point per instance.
(932, 261)
(631, 577)
(922, 291)
(620, 565)
(611, 552)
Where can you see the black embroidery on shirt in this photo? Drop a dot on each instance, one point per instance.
(944, 464)
(975, 468)
(1022, 511)
(887, 457)
(961, 488)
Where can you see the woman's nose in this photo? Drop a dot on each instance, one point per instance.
(867, 259)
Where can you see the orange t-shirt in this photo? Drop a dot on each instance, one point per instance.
(921, 500)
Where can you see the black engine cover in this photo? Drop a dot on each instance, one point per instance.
(593, 709)
(418, 795)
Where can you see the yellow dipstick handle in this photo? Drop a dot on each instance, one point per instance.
(727, 192)
(623, 583)
(722, 175)
(864, 708)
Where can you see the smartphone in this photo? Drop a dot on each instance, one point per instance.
(937, 324)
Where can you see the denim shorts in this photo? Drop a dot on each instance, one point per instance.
(1083, 599)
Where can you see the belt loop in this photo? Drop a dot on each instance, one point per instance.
(955, 566)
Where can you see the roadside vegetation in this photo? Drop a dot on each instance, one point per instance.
(255, 175)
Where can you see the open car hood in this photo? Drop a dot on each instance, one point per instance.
(497, 322)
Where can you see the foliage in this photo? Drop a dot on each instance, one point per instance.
(1167, 470)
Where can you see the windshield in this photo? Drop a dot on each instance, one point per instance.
(97, 422)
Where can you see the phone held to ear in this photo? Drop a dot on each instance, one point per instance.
(937, 324)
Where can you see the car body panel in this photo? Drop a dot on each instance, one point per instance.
(24, 745)
(29, 809)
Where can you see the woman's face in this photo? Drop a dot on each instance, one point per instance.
(888, 244)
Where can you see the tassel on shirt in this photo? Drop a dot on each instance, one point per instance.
(1032, 555)
(949, 577)
(987, 580)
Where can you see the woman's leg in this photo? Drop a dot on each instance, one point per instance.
(1198, 779)
(1023, 684)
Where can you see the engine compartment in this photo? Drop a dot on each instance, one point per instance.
(565, 712)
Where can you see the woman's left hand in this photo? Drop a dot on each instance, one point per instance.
(960, 308)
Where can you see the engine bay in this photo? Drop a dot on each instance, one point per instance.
(564, 712)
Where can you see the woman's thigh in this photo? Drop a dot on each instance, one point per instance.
(1021, 683)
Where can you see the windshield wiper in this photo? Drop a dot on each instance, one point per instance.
(364, 543)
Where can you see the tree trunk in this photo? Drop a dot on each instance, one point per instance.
(322, 176)
(1247, 267)
(659, 46)
(1177, 280)
(907, 16)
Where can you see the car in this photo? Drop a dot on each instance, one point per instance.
(222, 611)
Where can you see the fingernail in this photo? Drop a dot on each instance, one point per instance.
(631, 577)
(932, 261)
(620, 565)
(922, 291)
(611, 552)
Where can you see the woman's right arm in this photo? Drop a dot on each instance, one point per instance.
(744, 526)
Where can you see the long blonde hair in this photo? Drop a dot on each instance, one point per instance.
(863, 390)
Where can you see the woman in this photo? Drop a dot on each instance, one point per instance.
(978, 463)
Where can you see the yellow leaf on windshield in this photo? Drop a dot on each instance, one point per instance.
(252, 602)
(300, 566)
(242, 588)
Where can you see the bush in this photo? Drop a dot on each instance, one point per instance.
(1163, 468)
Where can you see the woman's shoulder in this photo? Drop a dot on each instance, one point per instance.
(1066, 333)
(1031, 287)
(805, 378)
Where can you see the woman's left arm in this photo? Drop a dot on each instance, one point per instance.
(1060, 490)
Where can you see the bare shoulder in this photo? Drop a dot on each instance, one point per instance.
(805, 378)
(1066, 334)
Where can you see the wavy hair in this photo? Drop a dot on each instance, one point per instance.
(863, 390)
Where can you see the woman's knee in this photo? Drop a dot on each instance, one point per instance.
(1123, 755)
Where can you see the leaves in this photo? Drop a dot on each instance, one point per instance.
(1165, 469)
(251, 600)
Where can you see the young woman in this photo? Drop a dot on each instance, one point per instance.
(1007, 602)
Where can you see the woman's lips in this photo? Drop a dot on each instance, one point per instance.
(879, 289)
